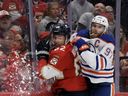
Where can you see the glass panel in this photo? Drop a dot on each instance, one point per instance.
(124, 47)
(18, 60)
(21, 29)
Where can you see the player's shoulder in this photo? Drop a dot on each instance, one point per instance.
(108, 38)
(83, 33)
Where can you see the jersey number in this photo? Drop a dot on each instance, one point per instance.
(108, 52)
(62, 48)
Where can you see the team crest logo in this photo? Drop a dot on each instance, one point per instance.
(54, 60)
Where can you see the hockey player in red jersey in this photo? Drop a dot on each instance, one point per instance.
(96, 50)
(61, 64)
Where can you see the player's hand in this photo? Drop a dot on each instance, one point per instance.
(72, 37)
(75, 40)
(82, 45)
(81, 34)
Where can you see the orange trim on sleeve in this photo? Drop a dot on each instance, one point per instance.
(99, 72)
(102, 62)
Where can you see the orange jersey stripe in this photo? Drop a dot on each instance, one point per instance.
(99, 72)
(102, 62)
(112, 89)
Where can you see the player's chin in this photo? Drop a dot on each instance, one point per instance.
(93, 35)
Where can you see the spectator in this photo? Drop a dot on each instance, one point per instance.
(85, 19)
(3, 65)
(78, 7)
(111, 19)
(52, 16)
(106, 2)
(39, 11)
(123, 62)
(18, 4)
(17, 73)
(16, 29)
(14, 7)
(124, 13)
(5, 26)
(125, 48)
(5, 22)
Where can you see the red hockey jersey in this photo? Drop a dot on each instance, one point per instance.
(62, 60)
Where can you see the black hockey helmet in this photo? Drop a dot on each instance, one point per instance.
(61, 29)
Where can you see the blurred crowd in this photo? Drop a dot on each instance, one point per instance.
(14, 29)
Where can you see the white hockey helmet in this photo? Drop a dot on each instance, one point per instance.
(101, 20)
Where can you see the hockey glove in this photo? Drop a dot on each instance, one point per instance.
(43, 50)
(82, 45)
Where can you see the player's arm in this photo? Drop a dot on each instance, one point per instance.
(99, 61)
(96, 61)
(58, 65)
(52, 69)
(42, 62)
(48, 69)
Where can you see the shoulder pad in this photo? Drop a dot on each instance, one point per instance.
(83, 33)
(108, 38)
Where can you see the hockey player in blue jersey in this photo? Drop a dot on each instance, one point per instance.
(96, 51)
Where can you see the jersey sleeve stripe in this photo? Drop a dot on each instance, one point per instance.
(95, 76)
(98, 72)
(97, 63)
(88, 67)
(102, 62)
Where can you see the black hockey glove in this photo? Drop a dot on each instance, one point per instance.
(43, 48)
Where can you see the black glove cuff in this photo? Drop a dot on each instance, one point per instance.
(43, 54)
